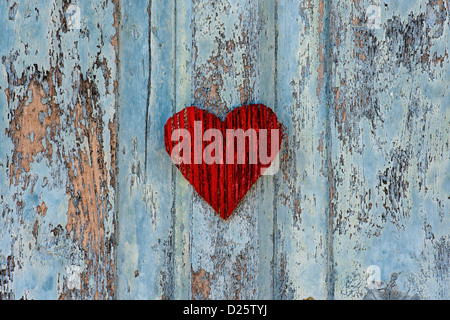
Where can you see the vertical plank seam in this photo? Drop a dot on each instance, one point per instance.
(192, 102)
(191, 209)
(116, 165)
(174, 108)
(149, 84)
(330, 276)
(275, 221)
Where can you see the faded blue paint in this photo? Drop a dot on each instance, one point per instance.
(145, 257)
(364, 169)
(32, 45)
(387, 211)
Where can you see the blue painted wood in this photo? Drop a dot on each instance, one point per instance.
(390, 134)
(57, 138)
(225, 258)
(146, 196)
(183, 190)
(91, 206)
(302, 186)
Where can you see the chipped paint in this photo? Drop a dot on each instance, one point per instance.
(390, 132)
(28, 131)
(200, 285)
(92, 207)
(58, 207)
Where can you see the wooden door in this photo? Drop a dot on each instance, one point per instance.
(92, 206)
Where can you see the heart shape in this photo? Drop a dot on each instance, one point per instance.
(223, 159)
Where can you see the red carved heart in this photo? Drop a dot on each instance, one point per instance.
(223, 159)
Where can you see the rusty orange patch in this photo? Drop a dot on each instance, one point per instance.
(200, 284)
(29, 127)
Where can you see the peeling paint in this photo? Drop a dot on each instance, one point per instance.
(363, 177)
(200, 284)
(57, 149)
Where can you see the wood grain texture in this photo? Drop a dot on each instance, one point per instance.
(390, 138)
(183, 191)
(57, 168)
(302, 188)
(224, 261)
(146, 194)
(92, 206)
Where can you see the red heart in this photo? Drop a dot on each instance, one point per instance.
(223, 183)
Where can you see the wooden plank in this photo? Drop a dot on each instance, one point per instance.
(57, 160)
(265, 93)
(183, 190)
(132, 281)
(146, 194)
(363, 170)
(302, 189)
(225, 255)
(390, 137)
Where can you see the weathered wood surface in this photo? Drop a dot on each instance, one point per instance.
(389, 101)
(92, 207)
(57, 158)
